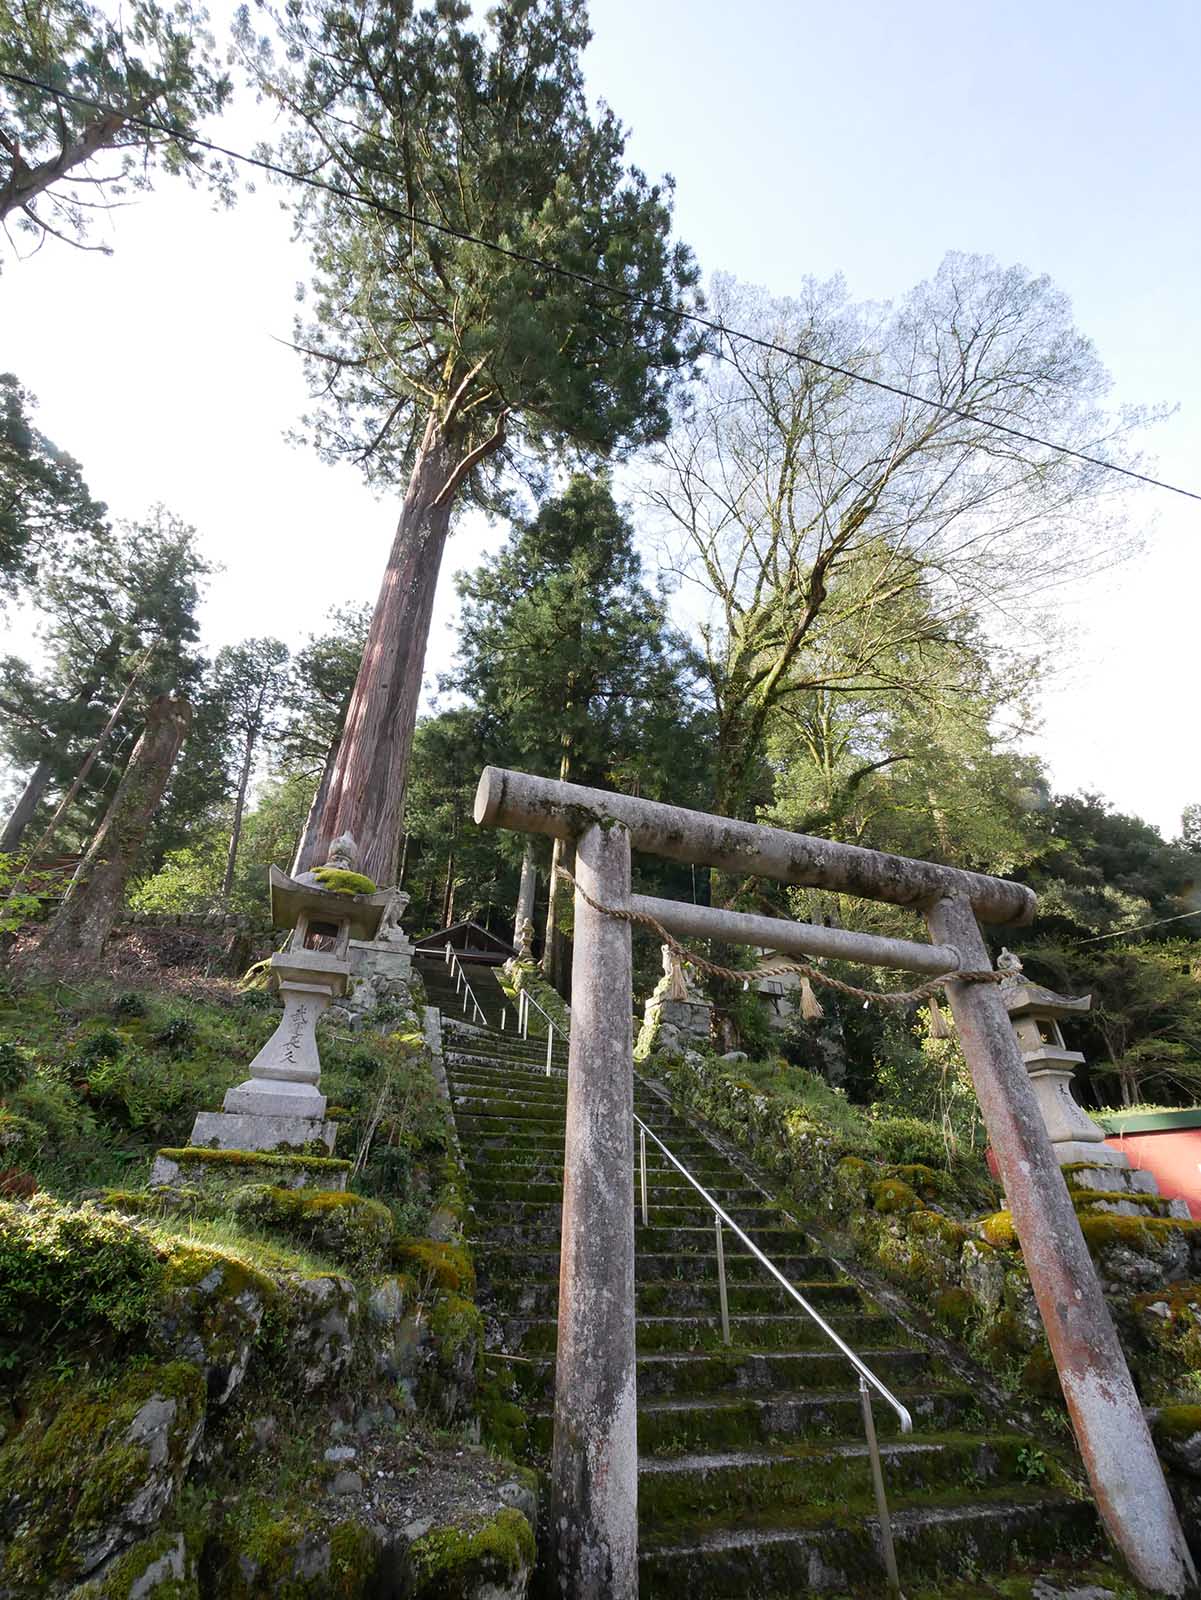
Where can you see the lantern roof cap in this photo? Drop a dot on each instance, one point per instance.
(1025, 999)
(290, 897)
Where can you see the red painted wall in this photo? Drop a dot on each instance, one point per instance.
(1173, 1155)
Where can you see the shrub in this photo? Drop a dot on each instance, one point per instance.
(129, 1006)
(63, 1268)
(103, 1045)
(12, 1065)
(910, 1142)
(177, 1034)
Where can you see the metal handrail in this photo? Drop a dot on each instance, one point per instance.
(524, 1001)
(456, 966)
(866, 1375)
(860, 1367)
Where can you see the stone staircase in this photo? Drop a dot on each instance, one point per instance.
(754, 1477)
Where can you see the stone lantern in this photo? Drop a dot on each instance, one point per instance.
(280, 1106)
(1036, 1014)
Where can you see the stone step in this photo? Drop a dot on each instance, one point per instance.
(532, 1167)
(484, 1136)
(724, 1422)
(509, 1265)
(750, 1331)
(679, 1489)
(689, 1213)
(542, 1232)
(528, 1298)
(492, 1191)
(840, 1554)
(682, 1374)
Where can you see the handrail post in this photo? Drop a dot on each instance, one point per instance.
(594, 1463)
(550, 1045)
(642, 1169)
(721, 1282)
(873, 1450)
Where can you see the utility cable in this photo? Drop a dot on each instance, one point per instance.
(1120, 933)
(414, 219)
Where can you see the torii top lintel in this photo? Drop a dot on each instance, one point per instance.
(529, 804)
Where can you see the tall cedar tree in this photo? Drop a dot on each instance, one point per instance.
(318, 697)
(440, 362)
(44, 502)
(61, 160)
(251, 680)
(571, 654)
(115, 605)
(87, 915)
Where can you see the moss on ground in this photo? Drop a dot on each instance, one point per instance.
(458, 1564)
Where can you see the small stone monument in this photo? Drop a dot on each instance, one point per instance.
(280, 1105)
(1036, 1014)
(677, 1015)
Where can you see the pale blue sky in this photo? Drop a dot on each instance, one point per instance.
(866, 139)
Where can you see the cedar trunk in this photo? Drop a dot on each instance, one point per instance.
(22, 812)
(367, 785)
(87, 915)
(235, 833)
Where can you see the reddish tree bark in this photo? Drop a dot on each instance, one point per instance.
(86, 917)
(22, 813)
(367, 785)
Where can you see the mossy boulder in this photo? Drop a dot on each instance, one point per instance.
(998, 1231)
(162, 1567)
(1177, 1432)
(92, 1469)
(210, 1314)
(982, 1270)
(434, 1263)
(1138, 1253)
(492, 1562)
(1164, 1328)
(322, 1322)
(890, 1195)
(348, 1228)
(292, 1555)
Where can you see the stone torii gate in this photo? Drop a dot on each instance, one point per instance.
(593, 1513)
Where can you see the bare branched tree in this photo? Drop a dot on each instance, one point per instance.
(814, 511)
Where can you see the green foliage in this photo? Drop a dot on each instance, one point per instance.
(45, 504)
(490, 131)
(65, 1270)
(130, 1006)
(96, 1048)
(1145, 1020)
(105, 1098)
(65, 158)
(13, 1065)
(177, 1034)
(117, 606)
(20, 902)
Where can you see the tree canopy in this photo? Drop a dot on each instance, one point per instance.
(63, 159)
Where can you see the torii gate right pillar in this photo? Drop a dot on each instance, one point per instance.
(1111, 1430)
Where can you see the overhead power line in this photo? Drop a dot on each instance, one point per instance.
(415, 219)
(1121, 933)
